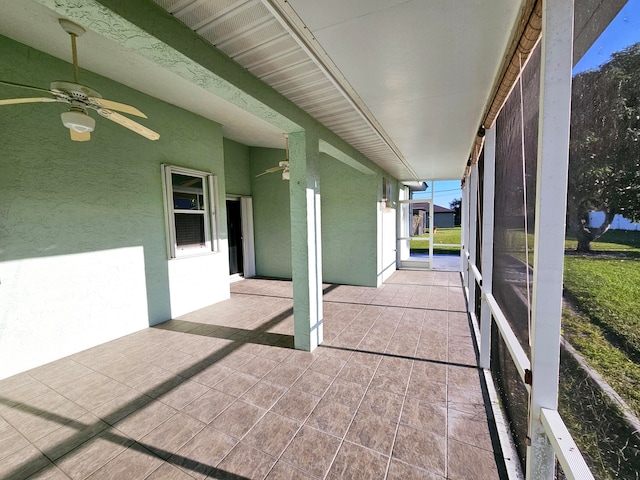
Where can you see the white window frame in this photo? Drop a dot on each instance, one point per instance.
(210, 187)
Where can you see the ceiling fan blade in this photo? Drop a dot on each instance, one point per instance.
(13, 101)
(270, 170)
(20, 85)
(80, 137)
(128, 123)
(120, 107)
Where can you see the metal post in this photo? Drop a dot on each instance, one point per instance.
(488, 207)
(431, 225)
(464, 224)
(551, 195)
(473, 232)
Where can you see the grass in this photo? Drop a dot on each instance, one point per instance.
(611, 362)
(604, 328)
(611, 451)
(442, 236)
(605, 288)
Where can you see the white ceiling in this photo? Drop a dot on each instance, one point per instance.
(423, 68)
(405, 82)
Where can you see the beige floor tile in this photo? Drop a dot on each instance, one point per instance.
(313, 382)
(331, 417)
(144, 420)
(380, 403)
(238, 419)
(23, 462)
(421, 449)
(374, 432)
(247, 462)
(70, 436)
(284, 374)
(171, 435)
(284, 471)
(208, 406)
(10, 440)
(311, 451)
(200, 455)
(49, 472)
(402, 471)
(346, 393)
(168, 472)
(207, 394)
(296, 405)
(425, 416)
(236, 384)
(185, 393)
(134, 462)
(93, 454)
(465, 461)
(355, 462)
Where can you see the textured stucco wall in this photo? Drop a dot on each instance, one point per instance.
(272, 221)
(83, 252)
(348, 213)
(237, 168)
(349, 204)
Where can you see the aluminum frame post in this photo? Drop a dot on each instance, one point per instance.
(473, 233)
(464, 223)
(551, 198)
(488, 209)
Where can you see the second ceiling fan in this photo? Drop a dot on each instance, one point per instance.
(283, 165)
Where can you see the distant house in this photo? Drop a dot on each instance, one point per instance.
(442, 217)
(619, 222)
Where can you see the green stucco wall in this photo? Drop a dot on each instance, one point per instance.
(349, 220)
(272, 224)
(237, 168)
(71, 203)
(349, 206)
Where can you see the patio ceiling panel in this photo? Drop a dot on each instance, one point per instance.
(250, 34)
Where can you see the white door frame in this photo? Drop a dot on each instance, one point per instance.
(248, 243)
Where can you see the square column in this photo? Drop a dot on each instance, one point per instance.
(551, 201)
(306, 249)
(488, 210)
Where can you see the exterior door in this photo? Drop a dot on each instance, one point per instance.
(234, 232)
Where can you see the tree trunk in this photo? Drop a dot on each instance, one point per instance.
(579, 225)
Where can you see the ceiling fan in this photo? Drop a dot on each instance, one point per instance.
(283, 165)
(82, 98)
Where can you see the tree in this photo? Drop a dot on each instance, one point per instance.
(604, 152)
(455, 206)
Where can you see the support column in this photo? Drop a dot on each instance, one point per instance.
(488, 207)
(551, 197)
(431, 225)
(306, 250)
(473, 232)
(464, 223)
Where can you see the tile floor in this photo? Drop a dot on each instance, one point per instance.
(220, 393)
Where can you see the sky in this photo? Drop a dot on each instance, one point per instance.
(623, 31)
(445, 192)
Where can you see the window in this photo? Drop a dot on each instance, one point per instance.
(190, 211)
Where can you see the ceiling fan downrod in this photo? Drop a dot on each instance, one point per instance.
(74, 30)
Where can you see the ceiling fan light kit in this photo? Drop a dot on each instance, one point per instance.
(78, 121)
(82, 98)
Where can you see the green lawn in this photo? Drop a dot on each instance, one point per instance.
(605, 286)
(442, 236)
